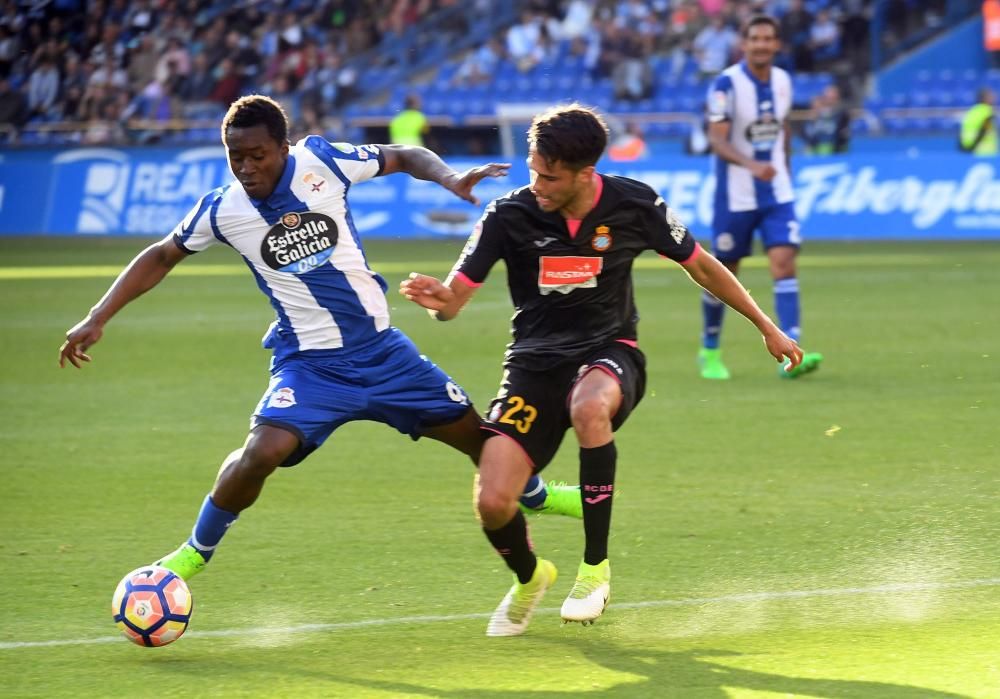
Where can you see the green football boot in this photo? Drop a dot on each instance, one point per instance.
(186, 561)
(810, 363)
(710, 361)
(560, 499)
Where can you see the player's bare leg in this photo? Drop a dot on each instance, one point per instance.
(463, 434)
(237, 487)
(537, 497)
(596, 398)
(503, 471)
(782, 259)
(241, 480)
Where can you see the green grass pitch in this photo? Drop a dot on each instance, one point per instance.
(832, 537)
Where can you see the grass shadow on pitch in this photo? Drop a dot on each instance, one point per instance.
(690, 674)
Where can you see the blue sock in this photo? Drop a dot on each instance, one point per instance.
(711, 312)
(534, 493)
(786, 306)
(211, 526)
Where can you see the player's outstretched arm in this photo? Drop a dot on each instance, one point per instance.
(442, 300)
(144, 272)
(713, 276)
(423, 164)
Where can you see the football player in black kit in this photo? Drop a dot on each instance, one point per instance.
(568, 240)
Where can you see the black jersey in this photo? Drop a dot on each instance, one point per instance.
(572, 294)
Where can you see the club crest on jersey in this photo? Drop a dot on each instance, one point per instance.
(314, 181)
(299, 242)
(284, 397)
(564, 274)
(602, 239)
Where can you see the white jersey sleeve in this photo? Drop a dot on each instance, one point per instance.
(197, 231)
(349, 162)
(719, 105)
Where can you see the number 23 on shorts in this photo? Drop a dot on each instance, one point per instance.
(519, 414)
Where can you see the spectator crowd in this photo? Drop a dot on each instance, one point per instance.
(111, 63)
(115, 70)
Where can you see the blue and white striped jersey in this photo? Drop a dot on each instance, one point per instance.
(757, 111)
(302, 247)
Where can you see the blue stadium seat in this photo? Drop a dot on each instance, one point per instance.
(690, 103)
(942, 98)
(436, 107)
(565, 83)
(894, 125)
(655, 129)
(945, 124)
(352, 110)
(873, 104)
(678, 129)
(898, 100)
(945, 76)
(503, 85)
(965, 97)
(665, 103)
(475, 106)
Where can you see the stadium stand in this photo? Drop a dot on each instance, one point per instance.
(163, 71)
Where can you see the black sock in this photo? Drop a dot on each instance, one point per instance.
(511, 542)
(597, 484)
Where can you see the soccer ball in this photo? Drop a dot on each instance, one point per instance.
(152, 606)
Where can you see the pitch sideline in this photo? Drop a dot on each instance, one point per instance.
(690, 602)
(435, 266)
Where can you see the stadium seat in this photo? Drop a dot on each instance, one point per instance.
(860, 127)
(894, 125)
(898, 100)
(665, 103)
(942, 98)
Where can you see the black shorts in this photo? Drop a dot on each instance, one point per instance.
(532, 407)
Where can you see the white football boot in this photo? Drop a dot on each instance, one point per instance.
(512, 616)
(590, 594)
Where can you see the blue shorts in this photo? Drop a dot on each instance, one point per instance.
(732, 231)
(313, 393)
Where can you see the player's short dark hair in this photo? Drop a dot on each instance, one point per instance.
(257, 110)
(572, 134)
(757, 20)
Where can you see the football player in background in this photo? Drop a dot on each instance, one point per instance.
(748, 108)
(568, 241)
(336, 357)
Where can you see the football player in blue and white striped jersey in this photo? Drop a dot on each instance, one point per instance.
(335, 358)
(748, 108)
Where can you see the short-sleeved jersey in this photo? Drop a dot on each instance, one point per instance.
(572, 293)
(302, 247)
(757, 112)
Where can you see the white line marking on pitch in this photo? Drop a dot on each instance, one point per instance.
(690, 602)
